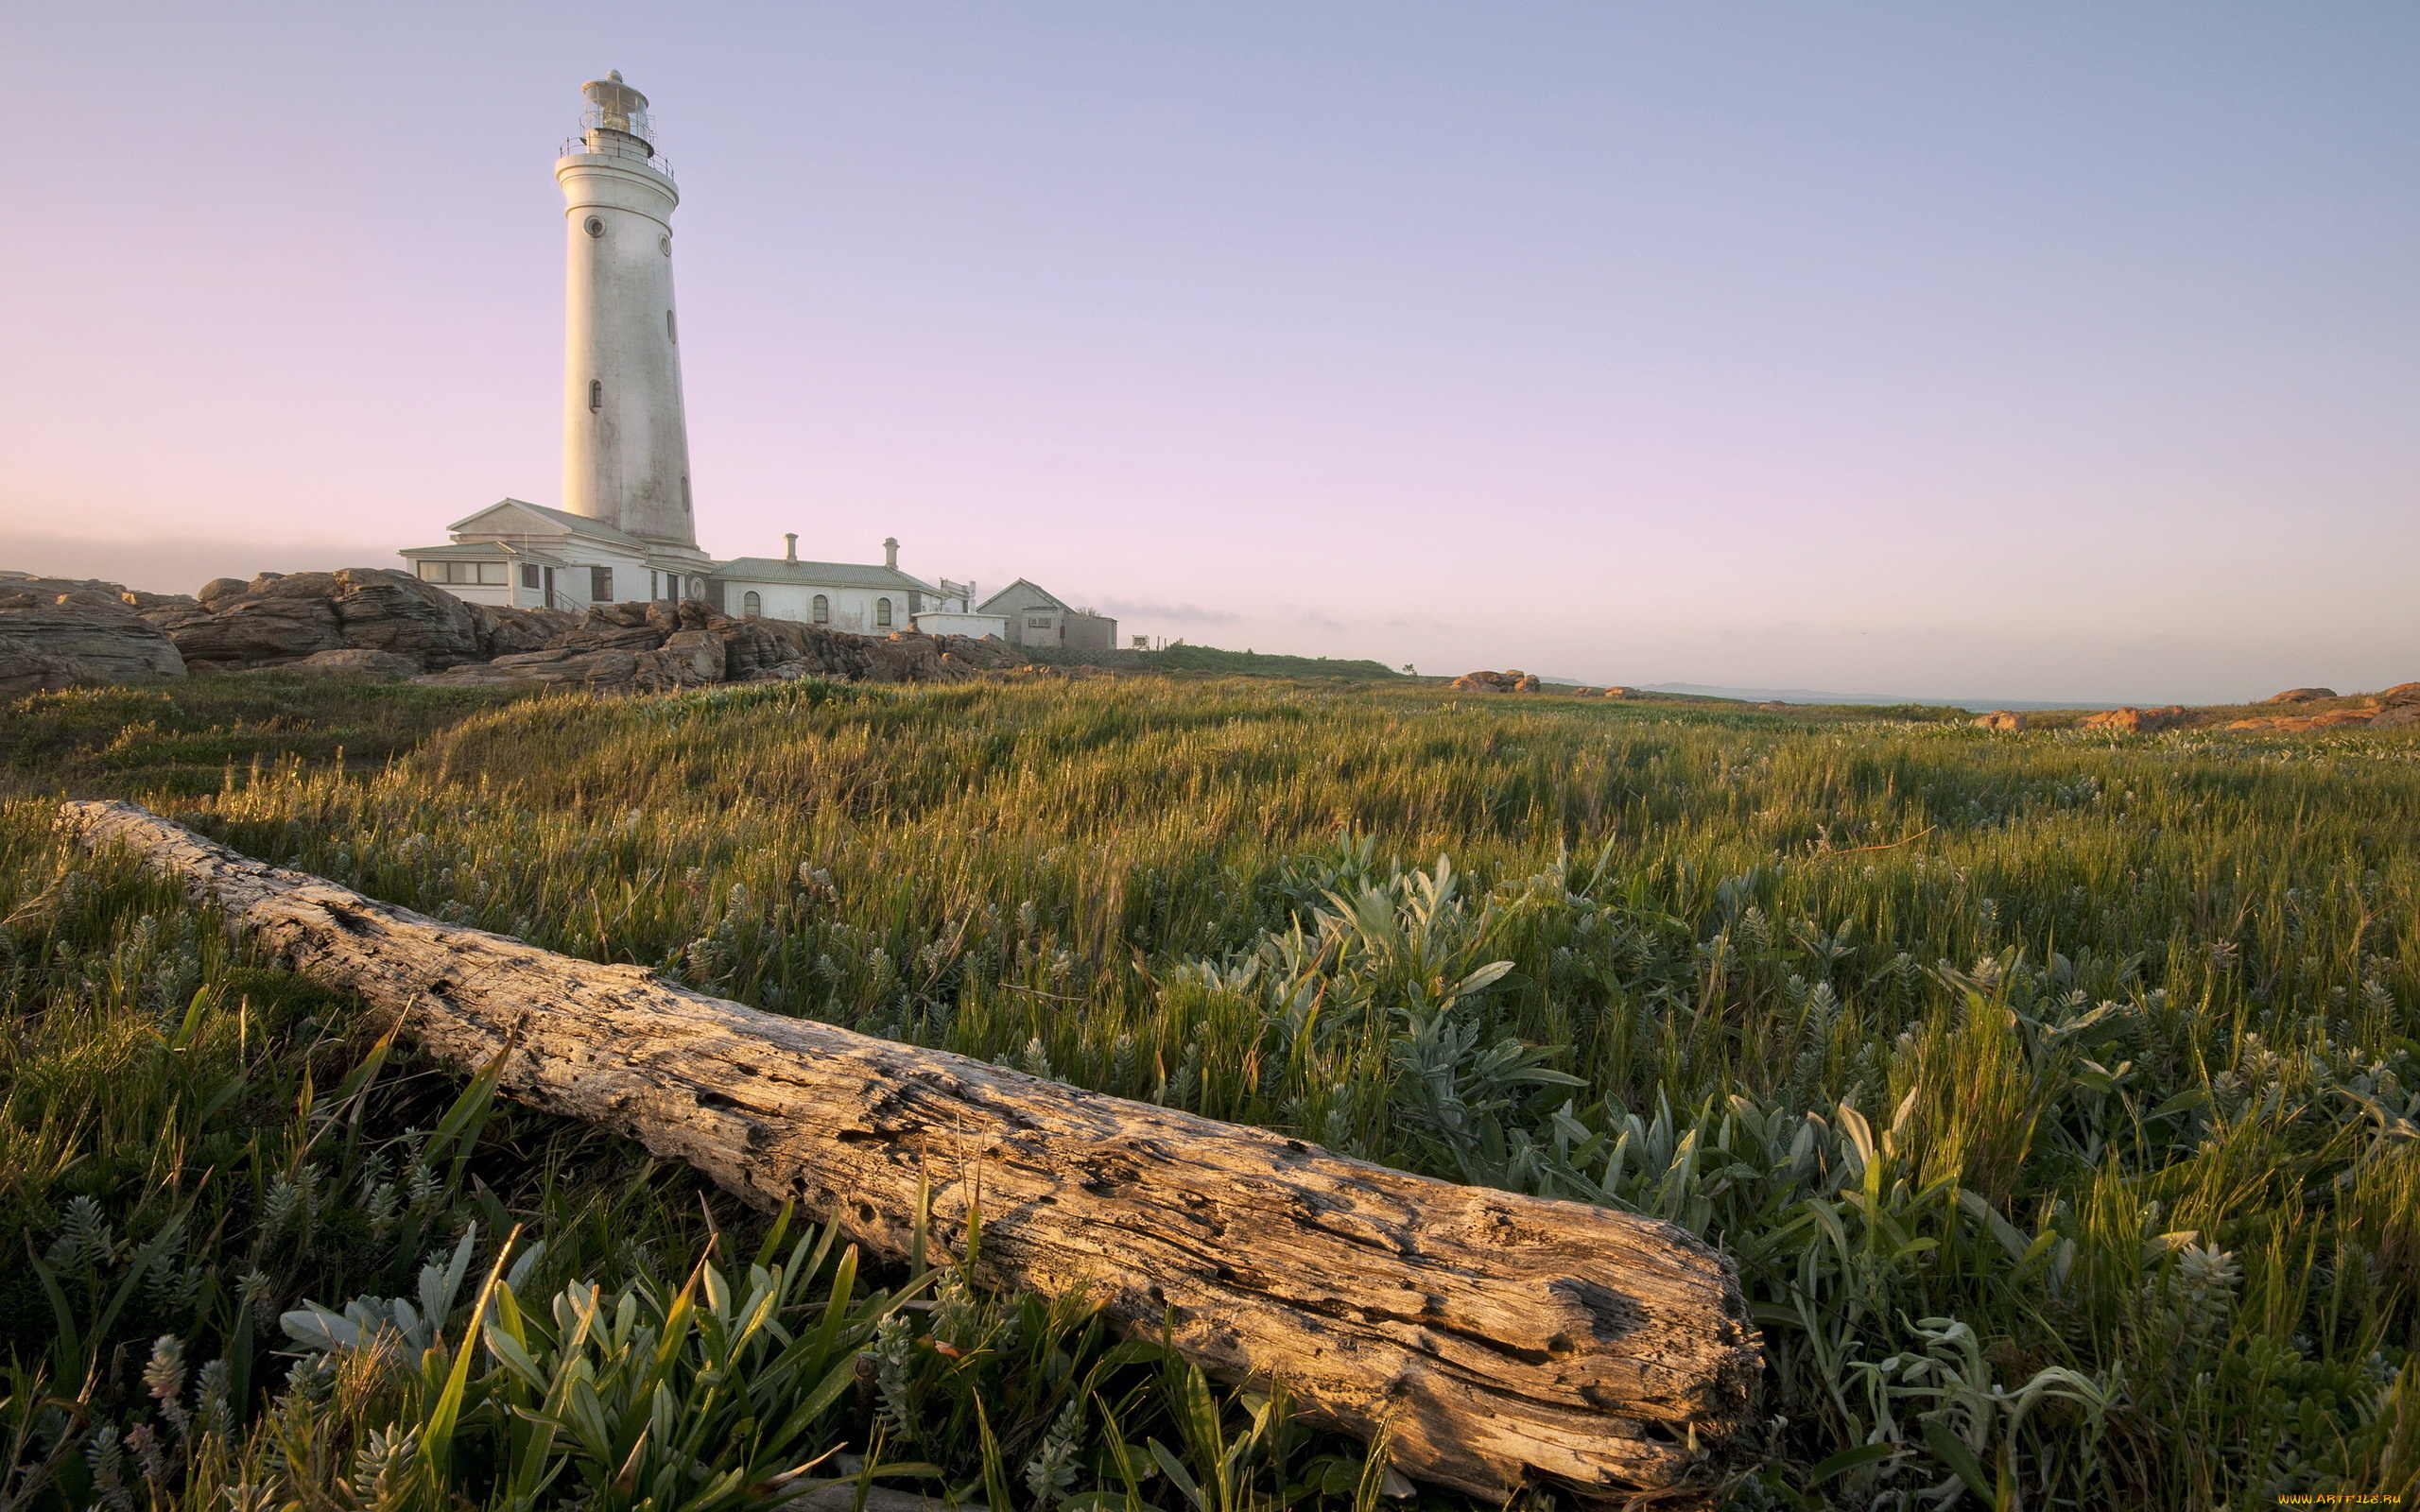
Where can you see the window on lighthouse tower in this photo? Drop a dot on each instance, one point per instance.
(595, 395)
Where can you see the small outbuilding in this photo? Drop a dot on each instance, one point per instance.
(1037, 617)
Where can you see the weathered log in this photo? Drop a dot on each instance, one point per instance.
(1503, 1339)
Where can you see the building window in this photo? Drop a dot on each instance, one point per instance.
(1033, 622)
(528, 575)
(490, 573)
(672, 328)
(595, 395)
(822, 610)
(601, 585)
(685, 493)
(696, 588)
(752, 604)
(882, 612)
(595, 227)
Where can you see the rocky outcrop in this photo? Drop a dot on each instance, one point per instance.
(2286, 724)
(373, 621)
(659, 648)
(2399, 708)
(2135, 721)
(359, 660)
(1508, 681)
(58, 632)
(275, 620)
(26, 667)
(1621, 692)
(1998, 720)
(278, 619)
(504, 632)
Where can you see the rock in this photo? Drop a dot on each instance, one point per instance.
(1621, 692)
(218, 588)
(1998, 720)
(64, 632)
(506, 631)
(382, 609)
(2299, 696)
(275, 620)
(601, 671)
(1510, 681)
(2401, 692)
(26, 667)
(687, 659)
(141, 602)
(2135, 721)
(2398, 716)
(751, 649)
(2286, 724)
(279, 618)
(604, 630)
(1583, 693)
(360, 659)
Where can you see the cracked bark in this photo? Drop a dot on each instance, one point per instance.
(1507, 1340)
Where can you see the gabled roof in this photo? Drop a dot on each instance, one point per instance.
(518, 517)
(482, 550)
(819, 574)
(1035, 596)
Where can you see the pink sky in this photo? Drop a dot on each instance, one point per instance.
(2054, 353)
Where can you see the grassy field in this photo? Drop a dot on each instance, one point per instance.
(2055, 1091)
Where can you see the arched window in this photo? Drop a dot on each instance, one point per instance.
(822, 610)
(882, 612)
(752, 604)
(595, 395)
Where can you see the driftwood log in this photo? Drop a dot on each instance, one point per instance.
(1503, 1340)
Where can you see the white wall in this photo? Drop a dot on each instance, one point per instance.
(852, 608)
(978, 626)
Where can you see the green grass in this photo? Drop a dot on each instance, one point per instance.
(2054, 1091)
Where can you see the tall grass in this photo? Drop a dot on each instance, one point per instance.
(2054, 1090)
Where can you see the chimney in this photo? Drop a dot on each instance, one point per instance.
(890, 553)
(789, 546)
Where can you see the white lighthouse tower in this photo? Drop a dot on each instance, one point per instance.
(626, 436)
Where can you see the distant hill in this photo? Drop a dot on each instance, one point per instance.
(1706, 689)
(1183, 658)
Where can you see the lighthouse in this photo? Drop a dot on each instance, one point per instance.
(627, 530)
(626, 436)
